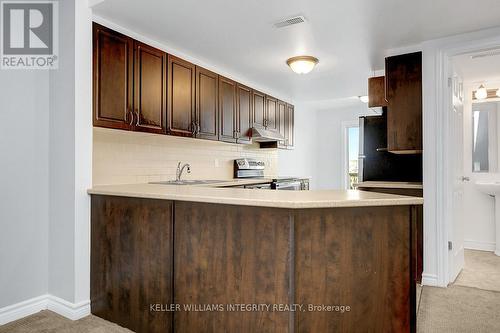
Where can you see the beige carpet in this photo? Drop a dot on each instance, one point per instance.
(482, 270)
(50, 322)
(458, 309)
(455, 309)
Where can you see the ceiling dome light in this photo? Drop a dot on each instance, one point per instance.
(481, 93)
(302, 64)
(363, 99)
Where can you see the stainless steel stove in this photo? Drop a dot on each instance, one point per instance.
(247, 168)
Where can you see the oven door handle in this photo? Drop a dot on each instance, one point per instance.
(284, 185)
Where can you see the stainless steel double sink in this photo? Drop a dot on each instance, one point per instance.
(189, 182)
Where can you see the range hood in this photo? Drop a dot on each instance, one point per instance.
(260, 134)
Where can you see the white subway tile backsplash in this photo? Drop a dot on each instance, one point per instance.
(121, 157)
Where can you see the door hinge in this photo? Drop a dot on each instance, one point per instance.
(450, 245)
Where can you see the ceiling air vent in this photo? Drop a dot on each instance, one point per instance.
(290, 21)
(486, 54)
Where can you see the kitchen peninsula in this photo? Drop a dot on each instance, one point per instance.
(158, 245)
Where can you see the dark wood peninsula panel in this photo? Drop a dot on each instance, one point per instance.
(151, 251)
(231, 255)
(131, 261)
(137, 87)
(357, 257)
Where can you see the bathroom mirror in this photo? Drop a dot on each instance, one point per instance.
(484, 136)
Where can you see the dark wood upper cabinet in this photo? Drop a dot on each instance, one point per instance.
(290, 128)
(282, 123)
(404, 103)
(150, 85)
(140, 88)
(207, 104)
(244, 111)
(112, 78)
(272, 116)
(227, 110)
(376, 92)
(181, 97)
(259, 108)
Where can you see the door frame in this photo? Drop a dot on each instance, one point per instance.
(438, 61)
(345, 125)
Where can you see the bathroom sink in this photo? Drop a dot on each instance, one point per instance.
(189, 182)
(490, 188)
(493, 188)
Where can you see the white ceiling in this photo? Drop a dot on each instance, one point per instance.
(482, 70)
(349, 37)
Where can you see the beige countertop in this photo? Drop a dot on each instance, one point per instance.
(262, 198)
(377, 184)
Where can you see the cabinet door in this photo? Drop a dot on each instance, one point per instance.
(272, 117)
(207, 118)
(282, 123)
(404, 103)
(290, 121)
(259, 108)
(244, 109)
(112, 78)
(227, 110)
(376, 92)
(150, 84)
(181, 97)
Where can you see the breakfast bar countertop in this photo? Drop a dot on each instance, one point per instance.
(252, 197)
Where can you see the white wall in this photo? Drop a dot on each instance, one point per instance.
(330, 141)
(46, 140)
(301, 161)
(24, 147)
(71, 156)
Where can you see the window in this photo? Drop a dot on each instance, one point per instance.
(351, 152)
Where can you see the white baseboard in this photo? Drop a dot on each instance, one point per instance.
(73, 311)
(430, 280)
(22, 309)
(478, 245)
(44, 302)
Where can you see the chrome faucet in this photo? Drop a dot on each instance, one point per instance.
(178, 174)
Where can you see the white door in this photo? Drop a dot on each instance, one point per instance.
(456, 250)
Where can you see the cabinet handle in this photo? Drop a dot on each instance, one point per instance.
(131, 114)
